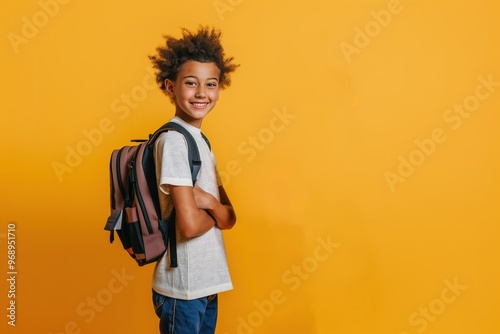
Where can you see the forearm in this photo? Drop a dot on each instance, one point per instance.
(224, 215)
(221, 210)
(191, 221)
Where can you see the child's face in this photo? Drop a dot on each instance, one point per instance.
(195, 91)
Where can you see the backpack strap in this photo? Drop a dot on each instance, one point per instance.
(206, 139)
(193, 153)
(195, 166)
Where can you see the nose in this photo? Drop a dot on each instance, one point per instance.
(200, 92)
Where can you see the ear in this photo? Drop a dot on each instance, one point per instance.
(169, 87)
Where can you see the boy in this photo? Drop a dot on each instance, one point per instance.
(191, 71)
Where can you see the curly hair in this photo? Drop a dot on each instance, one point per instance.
(202, 46)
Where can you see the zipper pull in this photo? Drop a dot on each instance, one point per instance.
(132, 171)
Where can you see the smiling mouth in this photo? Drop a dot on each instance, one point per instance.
(199, 105)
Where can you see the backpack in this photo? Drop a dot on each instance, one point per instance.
(135, 205)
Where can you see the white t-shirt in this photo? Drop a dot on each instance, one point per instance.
(202, 266)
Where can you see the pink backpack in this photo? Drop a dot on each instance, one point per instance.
(135, 206)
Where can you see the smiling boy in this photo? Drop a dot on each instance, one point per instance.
(191, 71)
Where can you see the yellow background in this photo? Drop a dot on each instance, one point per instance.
(316, 176)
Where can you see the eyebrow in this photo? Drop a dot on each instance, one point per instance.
(194, 76)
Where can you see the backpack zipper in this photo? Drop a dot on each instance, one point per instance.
(113, 202)
(138, 194)
(119, 177)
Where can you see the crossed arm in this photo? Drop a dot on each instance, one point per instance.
(197, 211)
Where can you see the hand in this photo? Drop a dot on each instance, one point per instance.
(204, 200)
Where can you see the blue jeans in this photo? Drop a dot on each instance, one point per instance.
(177, 316)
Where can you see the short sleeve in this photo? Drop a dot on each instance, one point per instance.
(217, 175)
(171, 159)
(219, 180)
